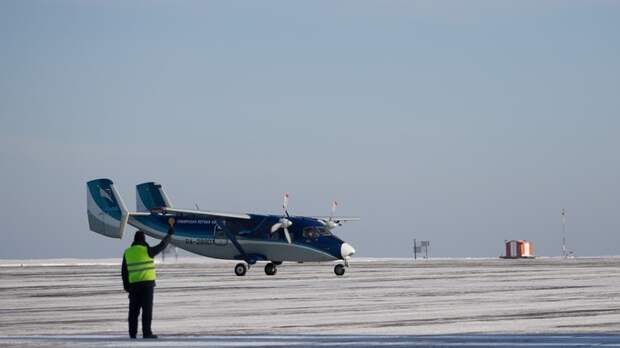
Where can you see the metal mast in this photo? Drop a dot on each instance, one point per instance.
(564, 254)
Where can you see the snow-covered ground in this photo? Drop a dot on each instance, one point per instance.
(83, 302)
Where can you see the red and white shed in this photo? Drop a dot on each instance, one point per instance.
(519, 249)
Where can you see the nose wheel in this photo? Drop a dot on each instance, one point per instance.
(271, 269)
(339, 270)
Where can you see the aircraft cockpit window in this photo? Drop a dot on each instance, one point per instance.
(315, 232)
(310, 233)
(323, 231)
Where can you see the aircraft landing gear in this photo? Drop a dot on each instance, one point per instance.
(270, 269)
(241, 269)
(339, 270)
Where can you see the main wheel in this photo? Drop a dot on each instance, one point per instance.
(240, 269)
(270, 269)
(339, 270)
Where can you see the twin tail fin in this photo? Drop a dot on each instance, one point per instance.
(107, 213)
(150, 195)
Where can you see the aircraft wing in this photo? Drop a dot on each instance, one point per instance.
(202, 213)
(337, 218)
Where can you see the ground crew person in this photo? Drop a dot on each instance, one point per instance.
(139, 280)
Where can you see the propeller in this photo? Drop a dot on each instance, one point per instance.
(284, 223)
(331, 223)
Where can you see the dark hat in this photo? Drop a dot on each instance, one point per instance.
(139, 237)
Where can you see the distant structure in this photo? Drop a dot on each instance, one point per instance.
(519, 249)
(421, 248)
(566, 253)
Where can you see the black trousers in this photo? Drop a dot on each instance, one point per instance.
(141, 298)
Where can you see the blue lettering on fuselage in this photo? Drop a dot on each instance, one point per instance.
(196, 222)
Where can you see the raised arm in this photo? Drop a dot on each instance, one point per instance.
(153, 251)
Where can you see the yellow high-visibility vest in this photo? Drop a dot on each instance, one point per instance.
(140, 266)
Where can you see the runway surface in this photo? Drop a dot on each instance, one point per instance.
(300, 341)
(200, 302)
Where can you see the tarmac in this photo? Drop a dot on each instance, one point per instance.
(379, 302)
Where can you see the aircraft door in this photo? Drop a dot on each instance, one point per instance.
(219, 236)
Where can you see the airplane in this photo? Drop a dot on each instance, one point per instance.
(245, 237)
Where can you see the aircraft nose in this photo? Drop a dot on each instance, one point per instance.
(346, 250)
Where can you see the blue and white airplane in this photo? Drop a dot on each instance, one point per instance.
(245, 237)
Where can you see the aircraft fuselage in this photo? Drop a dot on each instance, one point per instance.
(311, 241)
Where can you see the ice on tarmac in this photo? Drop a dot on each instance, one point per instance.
(198, 299)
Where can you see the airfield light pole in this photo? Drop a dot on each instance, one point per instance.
(564, 233)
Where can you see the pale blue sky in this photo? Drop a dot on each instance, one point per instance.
(462, 122)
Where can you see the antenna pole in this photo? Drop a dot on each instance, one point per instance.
(564, 233)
